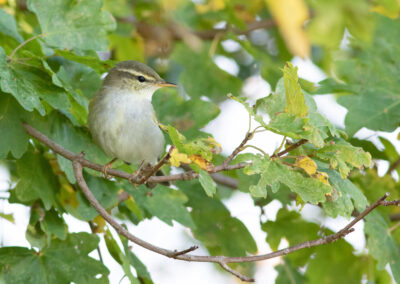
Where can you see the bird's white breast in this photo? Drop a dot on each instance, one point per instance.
(124, 125)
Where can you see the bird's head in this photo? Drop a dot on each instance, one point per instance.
(135, 77)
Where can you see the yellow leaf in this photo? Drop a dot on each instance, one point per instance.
(322, 177)
(201, 162)
(290, 16)
(100, 224)
(67, 195)
(391, 13)
(308, 165)
(295, 101)
(216, 147)
(178, 158)
(211, 6)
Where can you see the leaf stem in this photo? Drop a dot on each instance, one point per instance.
(280, 146)
(10, 57)
(255, 147)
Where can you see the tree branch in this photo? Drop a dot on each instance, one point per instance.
(291, 148)
(210, 34)
(221, 260)
(78, 162)
(238, 149)
(116, 173)
(175, 29)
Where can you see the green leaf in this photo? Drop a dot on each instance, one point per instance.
(344, 156)
(390, 150)
(9, 217)
(8, 26)
(204, 147)
(374, 187)
(221, 233)
(207, 183)
(331, 18)
(16, 141)
(334, 263)
(370, 147)
(73, 24)
(119, 256)
(165, 203)
(127, 47)
(287, 274)
(313, 127)
(371, 78)
(295, 230)
(44, 226)
(268, 63)
(295, 102)
(80, 82)
(141, 270)
(202, 77)
(62, 262)
(112, 246)
(273, 172)
(188, 115)
(346, 196)
(30, 84)
(381, 244)
(53, 224)
(105, 191)
(37, 180)
(55, 126)
(88, 58)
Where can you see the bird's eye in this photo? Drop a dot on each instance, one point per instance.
(141, 79)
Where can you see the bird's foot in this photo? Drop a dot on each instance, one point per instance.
(136, 176)
(106, 167)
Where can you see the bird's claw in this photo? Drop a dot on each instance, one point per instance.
(106, 167)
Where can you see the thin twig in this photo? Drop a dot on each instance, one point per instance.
(291, 147)
(249, 135)
(280, 146)
(394, 217)
(234, 272)
(391, 203)
(393, 166)
(255, 147)
(185, 251)
(158, 166)
(394, 227)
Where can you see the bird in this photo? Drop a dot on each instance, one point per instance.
(121, 117)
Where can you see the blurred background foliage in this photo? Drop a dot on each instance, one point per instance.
(53, 55)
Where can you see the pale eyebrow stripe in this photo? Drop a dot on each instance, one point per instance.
(136, 74)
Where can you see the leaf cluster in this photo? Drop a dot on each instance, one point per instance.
(53, 56)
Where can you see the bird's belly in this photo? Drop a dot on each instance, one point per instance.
(130, 133)
(137, 140)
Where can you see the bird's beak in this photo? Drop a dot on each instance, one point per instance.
(166, 84)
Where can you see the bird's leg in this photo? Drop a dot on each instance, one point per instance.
(137, 173)
(107, 166)
(149, 171)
